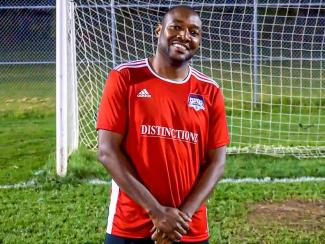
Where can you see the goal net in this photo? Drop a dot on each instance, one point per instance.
(267, 55)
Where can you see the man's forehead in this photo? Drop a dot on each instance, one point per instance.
(182, 15)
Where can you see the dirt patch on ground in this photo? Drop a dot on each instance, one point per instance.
(308, 215)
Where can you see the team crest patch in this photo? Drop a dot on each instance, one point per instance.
(196, 101)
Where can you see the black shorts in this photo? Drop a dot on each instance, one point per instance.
(110, 239)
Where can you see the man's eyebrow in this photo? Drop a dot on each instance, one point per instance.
(180, 22)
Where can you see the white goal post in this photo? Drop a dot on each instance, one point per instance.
(67, 124)
(267, 55)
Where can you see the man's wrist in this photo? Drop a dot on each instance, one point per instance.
(154, 211)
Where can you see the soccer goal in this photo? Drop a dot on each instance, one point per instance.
(268, 57)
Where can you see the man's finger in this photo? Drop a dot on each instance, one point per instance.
(154, 236)
(180, 229)
(153, 229)
(161, 238)
(185, 216)
(176, 236)
(164, 241)
(183, 223)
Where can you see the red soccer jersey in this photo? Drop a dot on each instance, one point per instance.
(168, 128)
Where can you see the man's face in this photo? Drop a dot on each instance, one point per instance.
(179, 35)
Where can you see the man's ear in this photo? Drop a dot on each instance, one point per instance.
(158, 30)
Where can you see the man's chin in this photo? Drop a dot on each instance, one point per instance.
(180, 58)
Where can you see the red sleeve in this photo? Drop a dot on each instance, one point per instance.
(112, 112)
(218, 129)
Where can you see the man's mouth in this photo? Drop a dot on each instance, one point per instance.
(180, 47)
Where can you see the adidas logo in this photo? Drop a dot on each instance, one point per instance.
(144, 93)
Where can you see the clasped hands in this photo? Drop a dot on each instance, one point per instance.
(170, 224)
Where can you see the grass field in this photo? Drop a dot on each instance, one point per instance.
(70, 210)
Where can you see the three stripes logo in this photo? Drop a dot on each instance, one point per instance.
(144, 93)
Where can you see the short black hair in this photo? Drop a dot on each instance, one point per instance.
(176, 7)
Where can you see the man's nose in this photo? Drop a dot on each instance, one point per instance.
(184, 35)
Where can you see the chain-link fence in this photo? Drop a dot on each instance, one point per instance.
(27, 54)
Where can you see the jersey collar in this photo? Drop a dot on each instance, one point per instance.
(168, 80)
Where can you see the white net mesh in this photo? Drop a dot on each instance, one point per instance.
(268, 56)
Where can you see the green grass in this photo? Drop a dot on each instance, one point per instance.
(54, 213)
(290, 108)
(63, 213)
(25, 145)
(37, 74)
(83, 164)
(26, 88)
(68, 210)
(228, 209)
(27, 120)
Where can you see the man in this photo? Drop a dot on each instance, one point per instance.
(162, 135)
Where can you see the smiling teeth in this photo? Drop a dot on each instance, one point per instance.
(179, 46)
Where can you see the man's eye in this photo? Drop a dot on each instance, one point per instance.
(176, 27)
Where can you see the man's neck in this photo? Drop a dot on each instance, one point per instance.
(169, 70)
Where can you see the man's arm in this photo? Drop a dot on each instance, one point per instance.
(169, 220)
(210, 174)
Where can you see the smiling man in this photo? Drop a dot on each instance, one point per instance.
(162, 135)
